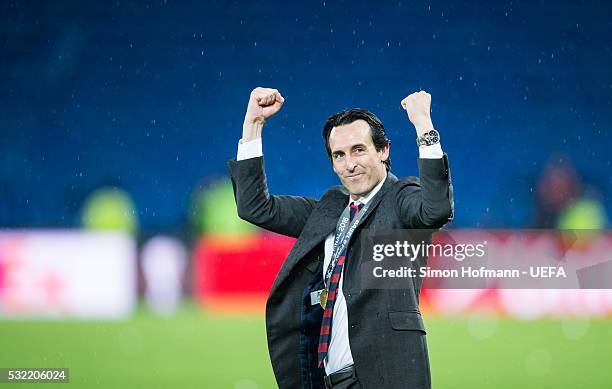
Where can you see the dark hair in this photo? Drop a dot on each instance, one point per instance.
(348, 116)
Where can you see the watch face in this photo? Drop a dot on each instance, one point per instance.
(433, 137)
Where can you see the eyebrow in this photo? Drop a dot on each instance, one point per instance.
(352, 148)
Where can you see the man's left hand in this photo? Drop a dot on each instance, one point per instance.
(418, 106)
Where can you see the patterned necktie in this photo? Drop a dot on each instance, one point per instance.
(334, 280)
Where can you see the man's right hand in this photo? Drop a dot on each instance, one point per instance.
(263, 103)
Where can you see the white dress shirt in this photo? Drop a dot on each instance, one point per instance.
(339, 352)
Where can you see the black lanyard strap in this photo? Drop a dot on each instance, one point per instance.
(343, 236)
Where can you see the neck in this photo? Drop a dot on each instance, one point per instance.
(356, 196)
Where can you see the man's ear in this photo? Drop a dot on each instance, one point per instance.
(384, 153)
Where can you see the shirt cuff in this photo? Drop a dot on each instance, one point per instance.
(431, 152)
(250, 149)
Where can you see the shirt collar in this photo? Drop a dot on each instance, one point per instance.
(364, 199)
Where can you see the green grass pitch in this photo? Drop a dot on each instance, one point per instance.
(195, 349)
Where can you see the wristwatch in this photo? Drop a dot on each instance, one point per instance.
(429, 138)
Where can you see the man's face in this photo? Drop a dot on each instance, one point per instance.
(355, 159)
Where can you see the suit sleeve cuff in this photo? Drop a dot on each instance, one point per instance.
(431, 152)
(436, 169)
(250, 149)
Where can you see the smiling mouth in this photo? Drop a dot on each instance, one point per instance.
(355, 175)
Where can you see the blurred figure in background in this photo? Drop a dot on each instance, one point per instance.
(557, 186)
(585, 213)
(563, 203)
(213, 211)
(110, 209)
(164, 260)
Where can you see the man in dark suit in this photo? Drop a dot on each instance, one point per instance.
(325, 330)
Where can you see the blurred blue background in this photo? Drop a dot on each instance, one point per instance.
(150, 97)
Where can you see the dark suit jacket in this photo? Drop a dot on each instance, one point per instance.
(386, 332)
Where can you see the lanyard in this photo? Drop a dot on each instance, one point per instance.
(343, 236)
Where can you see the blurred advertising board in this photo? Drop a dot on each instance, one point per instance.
(519, 273)
(67, 274)
(532, 274)
(235, 273)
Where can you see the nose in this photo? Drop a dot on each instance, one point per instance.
(350, 163)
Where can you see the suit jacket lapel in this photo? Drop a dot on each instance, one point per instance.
(323, 222)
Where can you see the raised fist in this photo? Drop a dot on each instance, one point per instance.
(418, 106)
(263, 103)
